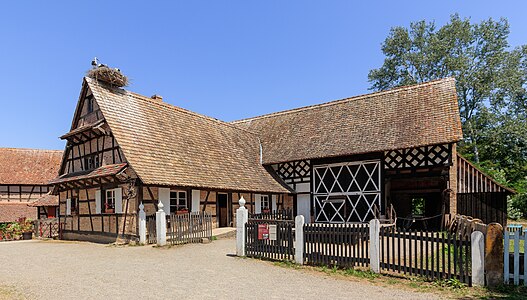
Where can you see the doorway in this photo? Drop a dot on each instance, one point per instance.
(223, 210)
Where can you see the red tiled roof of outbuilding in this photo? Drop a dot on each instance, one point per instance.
(28, 166)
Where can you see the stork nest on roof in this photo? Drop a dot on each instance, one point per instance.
(108, 75)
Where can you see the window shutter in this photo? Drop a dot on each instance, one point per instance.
(164, 197)
(98, 201)
(68, 207)
(273, 203)
(118, 200)
(196, 194)
(257, 203)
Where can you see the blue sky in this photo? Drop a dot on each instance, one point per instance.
(226, 59)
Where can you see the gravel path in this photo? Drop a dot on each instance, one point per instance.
(64, 270)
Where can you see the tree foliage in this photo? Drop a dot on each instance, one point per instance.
(491, 81)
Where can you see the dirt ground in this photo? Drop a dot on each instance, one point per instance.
(64, 270)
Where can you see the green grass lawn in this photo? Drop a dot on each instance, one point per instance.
(511, 246)
(511, 241)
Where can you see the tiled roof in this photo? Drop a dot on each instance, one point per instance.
(168, 145)
(406, 117)
(28, 166)
(12, 211)
(46, 200)
(107, 170)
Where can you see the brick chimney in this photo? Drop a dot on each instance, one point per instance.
(157, 97)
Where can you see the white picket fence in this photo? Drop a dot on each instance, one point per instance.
(515, 233)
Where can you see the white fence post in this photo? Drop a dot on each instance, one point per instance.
(142, 224)
(477, 240)
(299, 239)
(241, 219)
(516, 271)
(375, 263)
(506, 243)
(161, 225)
(525, 257)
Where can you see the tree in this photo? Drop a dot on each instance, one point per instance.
(491, 81)
(487, 73)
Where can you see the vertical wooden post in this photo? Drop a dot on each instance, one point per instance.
(299, 239)
(241, 219)
(478, 258)
(142, 224)
(161, 225)
(494, 254)
(375, 264)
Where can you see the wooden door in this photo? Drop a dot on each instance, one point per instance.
(52, 212)
(223, 212)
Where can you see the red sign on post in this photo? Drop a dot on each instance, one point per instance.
(263, 231)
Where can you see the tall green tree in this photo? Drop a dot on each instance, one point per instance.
(491, 81)
(488, 74)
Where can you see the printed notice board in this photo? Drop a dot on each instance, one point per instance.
(263, 231)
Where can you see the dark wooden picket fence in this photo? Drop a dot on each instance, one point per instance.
(282, 214)
(282, 248)
(434, 255)
(342, 245)
(189, 228)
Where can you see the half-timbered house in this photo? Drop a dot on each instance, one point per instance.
(343, 161)
(124, 149)
(24, 178)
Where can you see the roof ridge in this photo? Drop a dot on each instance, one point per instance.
(339, 101)
(177, 108)
(29, 149)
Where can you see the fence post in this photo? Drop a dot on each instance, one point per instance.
(494, 254)
(142, 224)
(375, 263)
(161, 225)
(299, 239)
(478, 258)
(241, 219)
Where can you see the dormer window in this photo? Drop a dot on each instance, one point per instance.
(91, 162)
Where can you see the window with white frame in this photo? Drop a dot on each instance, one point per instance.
(265, 203)
(109, 201)
(178, 201)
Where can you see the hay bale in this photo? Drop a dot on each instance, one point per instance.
(108, 75)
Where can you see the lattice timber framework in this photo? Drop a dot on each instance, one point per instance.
(347, 192)
(294, 171)
(427, 156)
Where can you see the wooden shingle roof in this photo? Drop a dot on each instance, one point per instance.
(103, 171)
(170, 146)
(406, 117)
(28, 166)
